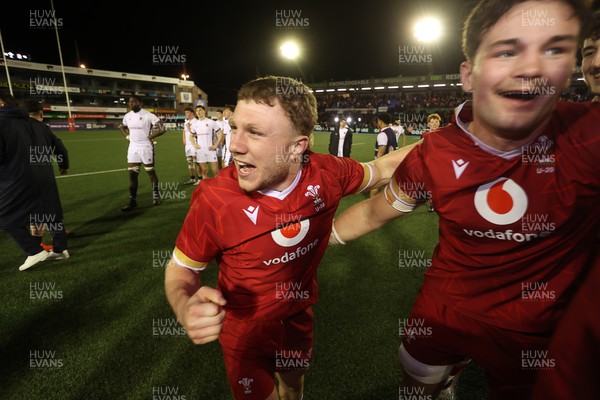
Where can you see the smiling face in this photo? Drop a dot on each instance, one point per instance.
(590, 65)
(520, 69)
(433, 123)
(266, 149)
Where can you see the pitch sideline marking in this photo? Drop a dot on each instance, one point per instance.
(91, 173)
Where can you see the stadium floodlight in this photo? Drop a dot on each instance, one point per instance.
(290, 50)
(81, 65)
(349, 120)
(185, 77)
(428, 30)
(336, 119)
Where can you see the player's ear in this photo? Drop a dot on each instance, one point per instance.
(300, 145)
(466, 70)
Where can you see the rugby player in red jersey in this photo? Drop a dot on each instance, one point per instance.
(266, 220)
(515, 180)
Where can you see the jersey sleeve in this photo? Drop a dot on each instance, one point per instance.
(382, 139)
(198, 241)
(352, 175)
(407, 187)
(125, 120)
(154, 119)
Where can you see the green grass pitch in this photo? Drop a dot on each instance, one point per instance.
(97, 326)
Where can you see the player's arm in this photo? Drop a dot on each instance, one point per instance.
(124, 131)
(192, 139)
(368, 216)
(159, 130)
(380, 151)
(382, 169)
(403, 139)
(220, 138)
(197, 308)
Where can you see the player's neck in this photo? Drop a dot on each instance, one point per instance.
(292, 177)
(499, 140)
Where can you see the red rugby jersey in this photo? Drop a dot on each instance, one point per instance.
(516, 228)
(268, 245)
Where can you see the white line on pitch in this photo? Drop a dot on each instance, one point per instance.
(92, 173)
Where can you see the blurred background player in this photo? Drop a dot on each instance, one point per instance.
(340, 140)
(219, 141)
(399, 131)
(386, 140)
(190, 150)
(204, 130)
(51, 204)
(590, 64)
(140, 127)
(227, 113)
(500, 281)
(238, 219)
(433, 122)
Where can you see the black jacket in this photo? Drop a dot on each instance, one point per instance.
(334, 141)
(27, 183)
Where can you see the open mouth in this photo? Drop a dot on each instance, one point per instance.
(244, 168)
(523, 96)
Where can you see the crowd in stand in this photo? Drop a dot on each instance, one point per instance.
(402, 105)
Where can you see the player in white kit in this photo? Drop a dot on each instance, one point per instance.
(206, 151)
(140, 127)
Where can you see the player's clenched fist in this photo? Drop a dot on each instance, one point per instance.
(202, 315)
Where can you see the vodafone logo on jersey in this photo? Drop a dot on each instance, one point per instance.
(292, 234)
(501, 202)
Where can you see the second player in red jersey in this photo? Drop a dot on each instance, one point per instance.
(516, 183)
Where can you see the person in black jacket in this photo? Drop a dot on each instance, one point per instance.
(26, 179)
(340, 141)
(48, 148)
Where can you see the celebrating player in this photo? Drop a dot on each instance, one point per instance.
(266, 221)
(516, 182)
(137, 127)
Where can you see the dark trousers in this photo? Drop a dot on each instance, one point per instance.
(29, 244)
(59, 238)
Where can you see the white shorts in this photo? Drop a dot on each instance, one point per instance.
(140, 154)
(190, 151)
(204, 156)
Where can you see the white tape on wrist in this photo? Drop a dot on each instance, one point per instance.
(335, 238)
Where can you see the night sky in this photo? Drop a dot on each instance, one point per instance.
(221, 45)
